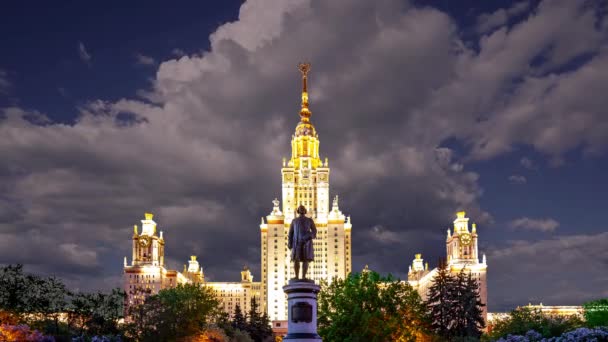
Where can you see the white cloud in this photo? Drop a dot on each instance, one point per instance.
(84, 54)
(541, 225)
(517, 179)
(144, 60)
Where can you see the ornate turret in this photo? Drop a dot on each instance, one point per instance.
(246, 276)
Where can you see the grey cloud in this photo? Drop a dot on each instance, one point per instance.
(548, 271)
(84, 54)
(517, 179)
(487, 22)
(528, 163)
(141, 59)
(178, 52)
(542, 225)
(5, 85)
(515, 89)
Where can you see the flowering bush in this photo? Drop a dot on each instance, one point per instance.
(580, 334)
(106, 338)
(22, 332)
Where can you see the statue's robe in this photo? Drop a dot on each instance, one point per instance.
(301, 233)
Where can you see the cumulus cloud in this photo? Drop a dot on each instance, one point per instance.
(391, 82)
(517, 179)
(141, 59)
(541, 225)
(84, 55)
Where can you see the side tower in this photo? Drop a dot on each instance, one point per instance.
(146, 275)
(462, 252)
(305, 181)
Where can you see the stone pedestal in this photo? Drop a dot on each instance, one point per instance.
(302, 310)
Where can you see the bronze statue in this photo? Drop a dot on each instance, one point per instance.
(301, 233)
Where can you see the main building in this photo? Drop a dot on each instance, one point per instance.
(305, 181)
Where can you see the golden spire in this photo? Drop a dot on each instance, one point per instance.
(304, 112)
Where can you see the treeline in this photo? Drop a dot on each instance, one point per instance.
(362, 307)
(369, 307)
(528, 324)
(192, 313)
(35, 308)
(32, 307)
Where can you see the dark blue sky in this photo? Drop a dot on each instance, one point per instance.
(511, 95)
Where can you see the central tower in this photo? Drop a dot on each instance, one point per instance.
(305, 181)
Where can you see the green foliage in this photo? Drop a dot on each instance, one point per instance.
(22, 293)
(258, 325)
(522, 320)
(368, 307)
(454, 306)
(440, 302)
(96, 314)
(596, 313)
(173, 314)
(40, 302)
(239, 321)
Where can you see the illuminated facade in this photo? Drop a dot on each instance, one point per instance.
(462, 253)
(147, 273)
(232, 293)
(305, 179)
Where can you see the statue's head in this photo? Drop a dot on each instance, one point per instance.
(301, 210)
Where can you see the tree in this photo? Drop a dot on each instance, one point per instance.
(98, 313)
(258, 325)
(174, 314)
(239, 321)
(454, 305)
(440, 302)
(16, 290)
(596, 313)
(368, 307)
(470, 322)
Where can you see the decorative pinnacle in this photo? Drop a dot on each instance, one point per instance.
(304, 112)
